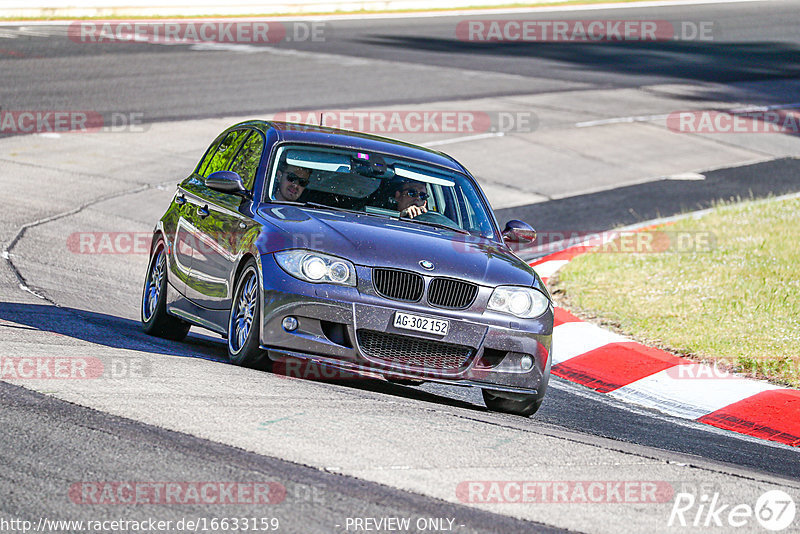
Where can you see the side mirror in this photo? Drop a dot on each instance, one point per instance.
(519, 232)
(226, 182)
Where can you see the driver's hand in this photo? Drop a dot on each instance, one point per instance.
(413, 211)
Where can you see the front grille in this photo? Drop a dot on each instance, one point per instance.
(453, 294)
(398, 285)
(411, 351)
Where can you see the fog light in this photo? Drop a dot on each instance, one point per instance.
(526, 363)
(289, 324)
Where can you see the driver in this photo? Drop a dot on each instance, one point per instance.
(292, 181)
(412, 199)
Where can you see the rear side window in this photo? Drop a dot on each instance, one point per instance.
(225, 151)
(248, 158)
(207, 158)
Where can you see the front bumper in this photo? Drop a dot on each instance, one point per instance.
(351, 328)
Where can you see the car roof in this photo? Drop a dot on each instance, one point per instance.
(322, 135)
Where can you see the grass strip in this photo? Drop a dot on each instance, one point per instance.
(723, 288)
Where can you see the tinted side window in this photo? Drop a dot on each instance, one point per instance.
(227, 148)
(207, 158)
(248, 158)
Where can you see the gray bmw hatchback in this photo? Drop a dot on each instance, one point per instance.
(353, 251)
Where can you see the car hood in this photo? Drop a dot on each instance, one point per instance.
(398, 244)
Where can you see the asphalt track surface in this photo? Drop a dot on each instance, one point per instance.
(627, 205)
(752, 42)
(133, 451)
(48, 443)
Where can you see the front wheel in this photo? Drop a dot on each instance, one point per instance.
(524, 405)
(155, 319)
(244, 323)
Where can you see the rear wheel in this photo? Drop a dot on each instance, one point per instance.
(520, 404)
(155, 319)
(245, 320)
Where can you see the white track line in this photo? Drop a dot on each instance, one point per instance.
(650, 118)
(424, 14)
(454, 140)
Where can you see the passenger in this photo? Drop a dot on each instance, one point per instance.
(292, 181)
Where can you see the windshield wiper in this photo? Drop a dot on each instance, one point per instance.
(311, 205)
(337, 208)
(286, 202)
(327, 207)
(437, 225)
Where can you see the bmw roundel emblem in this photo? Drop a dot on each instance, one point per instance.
(427, 265)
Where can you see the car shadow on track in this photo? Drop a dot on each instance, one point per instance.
(120, 333)
(99, 328)
(330, 375)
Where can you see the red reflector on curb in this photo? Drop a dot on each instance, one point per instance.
(772, 415)
(615, 365)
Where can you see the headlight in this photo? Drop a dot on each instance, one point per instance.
(316, 267)
(524, 302)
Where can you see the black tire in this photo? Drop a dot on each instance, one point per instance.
(244, 321)
(524, 405)
(155, 319)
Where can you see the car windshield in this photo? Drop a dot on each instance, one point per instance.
(377, 184)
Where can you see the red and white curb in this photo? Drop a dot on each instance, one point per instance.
(622, 368)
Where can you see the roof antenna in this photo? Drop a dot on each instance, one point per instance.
(320, 119)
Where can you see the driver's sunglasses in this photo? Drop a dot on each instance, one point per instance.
(292, 177)
(414, 194)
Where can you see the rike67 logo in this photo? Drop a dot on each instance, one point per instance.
(774, 510)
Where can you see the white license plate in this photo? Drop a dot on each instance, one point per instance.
(421, 324)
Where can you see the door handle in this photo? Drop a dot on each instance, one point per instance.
(203, 212)
(180, 200)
